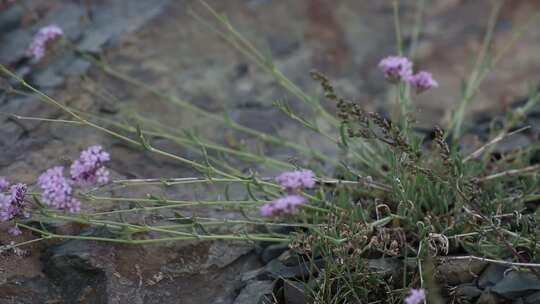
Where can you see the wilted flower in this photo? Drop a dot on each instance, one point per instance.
(89, 169)
(296, 180)
(46, 34)
(57, 191)
(416, 296)
(285, 205)
(422, 81)
(396, 68)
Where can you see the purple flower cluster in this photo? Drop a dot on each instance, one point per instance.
(422, 81)
(288, 204)
(57, 190)
(398, 68)
(89, 169)
(416, 296)
(46, 34)
(293, 182)
(12, 203)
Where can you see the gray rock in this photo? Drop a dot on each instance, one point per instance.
(77, 67)
(513, 143)
(10, 18)
(294, 293)
(491, 276)
(24, 290)
(75, 268)
(467, 291)
(257, 274)
(276, 269)
(273, 251)
(518, 301)
(488, 297)
(517, 284)
(455, 272)
(255, 292)
(281, 46)
(385, 266)
(532, 299)
(47, 78)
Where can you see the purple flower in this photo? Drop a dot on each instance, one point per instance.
(286, 205)
(416, 296)
(13, 205)
(4, 184)
(396, 68)
(57, 191)
(89, 169)
(422, 81)
(46, 34)
(296, 180)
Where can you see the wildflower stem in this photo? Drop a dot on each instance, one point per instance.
(245, 237)
(84, 121)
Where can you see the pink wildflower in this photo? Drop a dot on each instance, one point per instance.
(89, 169)
(296, 180)
(46, 34)
(396, 68)
(285, 205)
(416, 296)
(422, 81)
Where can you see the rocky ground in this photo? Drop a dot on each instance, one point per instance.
(160, 43)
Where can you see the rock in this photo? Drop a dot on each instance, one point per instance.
(73, 267)
(519, 301)
(223, 253)
(10, 18)
(34, 290)
(491, 276)
(256, 292)
(281, 46)
(532, 299)
(517, 284)
(276, 269)
(294, 292)
(488, 297)
(385, 267)
(467, 291)
(47, 79)
(257, 274)
(273, 251)
(455, 272)
(512, 143)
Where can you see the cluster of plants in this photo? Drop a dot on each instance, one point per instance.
(394, 193)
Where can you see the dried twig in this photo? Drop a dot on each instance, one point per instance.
(513, 172)
(500, 262)
(494, 141)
